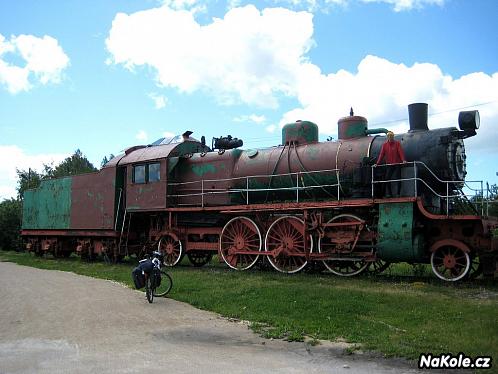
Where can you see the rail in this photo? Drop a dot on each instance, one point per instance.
(450, 185)
(202, 190)
(252, 179)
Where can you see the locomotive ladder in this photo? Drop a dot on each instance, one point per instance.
(125, 232)
(466, 206)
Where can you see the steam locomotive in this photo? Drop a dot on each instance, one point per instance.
(301, 202)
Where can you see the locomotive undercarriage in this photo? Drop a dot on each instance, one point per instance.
(87, 245)
(344, 237)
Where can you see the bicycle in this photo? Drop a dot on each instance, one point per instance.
(158, 283)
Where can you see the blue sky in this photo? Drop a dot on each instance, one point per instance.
(104, 75)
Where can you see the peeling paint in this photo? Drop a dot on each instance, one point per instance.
(49, 206)
(202, 169)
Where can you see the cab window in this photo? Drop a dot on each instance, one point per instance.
(154, 172)
(139, 174)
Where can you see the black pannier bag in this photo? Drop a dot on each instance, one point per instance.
(138, 278)
(145, 266)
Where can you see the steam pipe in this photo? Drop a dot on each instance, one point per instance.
(379, 130)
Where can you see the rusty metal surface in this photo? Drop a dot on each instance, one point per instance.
(214, 168)
(161, 151)
(449, 242)
(92, 199)
(300, 132)
(433, 216)
(290, 206)
(346, 156)
(215, 173)
(92, 233)
(146, 196)
(352, 127)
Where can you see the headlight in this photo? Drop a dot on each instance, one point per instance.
(469, 120)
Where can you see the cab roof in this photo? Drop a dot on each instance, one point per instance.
(143, 154)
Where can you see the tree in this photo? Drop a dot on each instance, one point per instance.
(105, 160)
(27, 179)
(493, 200)
(10, 222)
(73, 165)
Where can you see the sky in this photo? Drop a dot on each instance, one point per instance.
(101, 76)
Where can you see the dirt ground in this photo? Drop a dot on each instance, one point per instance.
(58, 322)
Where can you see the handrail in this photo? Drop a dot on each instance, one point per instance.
(256, 176)
(238, 190)
(297, 188)
(299, 185)
(446, 182)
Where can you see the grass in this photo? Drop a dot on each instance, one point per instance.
(396, 314)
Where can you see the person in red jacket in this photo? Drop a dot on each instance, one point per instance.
(393, 154)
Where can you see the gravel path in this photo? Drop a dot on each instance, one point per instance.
(58, 322)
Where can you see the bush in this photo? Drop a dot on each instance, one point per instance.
(10, 224)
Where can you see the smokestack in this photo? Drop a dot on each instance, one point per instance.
(417, 114)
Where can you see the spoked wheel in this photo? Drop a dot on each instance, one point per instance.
(378, 266)
(450, 263)
(240, 235)
(285, 241)
(342, 238)
(171, 248)
(149, 292)
(165, 286)
(346, 268)
(199, 258)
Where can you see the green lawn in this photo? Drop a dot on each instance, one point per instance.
(396, 314)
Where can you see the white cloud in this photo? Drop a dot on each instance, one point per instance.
(142, 136)
(404, 5)
(271, 128)
(250, 118)
(313, 5)
(256, 57)
(193, 6)
(14, 157)
(160, 101)
(249, 56)
(233, 4)
(329, 5)
(44, 62)
(168, 134)
(381, 91)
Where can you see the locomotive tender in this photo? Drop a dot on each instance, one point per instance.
(303, 201)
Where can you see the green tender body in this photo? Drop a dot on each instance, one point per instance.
(396, 239)
(48, 206)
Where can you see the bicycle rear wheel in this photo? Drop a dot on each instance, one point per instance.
(165, 286)
(149, 290)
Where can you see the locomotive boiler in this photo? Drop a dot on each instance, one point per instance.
(328, 169)
(300, 202)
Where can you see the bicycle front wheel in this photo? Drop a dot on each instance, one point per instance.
(165, 286)
(149, 290)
